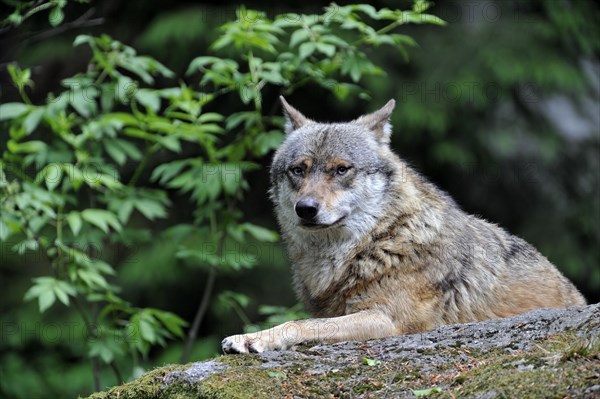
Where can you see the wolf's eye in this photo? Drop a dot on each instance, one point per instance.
(342, 170)
(297, 171)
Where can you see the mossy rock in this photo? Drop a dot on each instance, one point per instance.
(547, 353)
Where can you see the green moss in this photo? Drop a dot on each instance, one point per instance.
(145, 387)
(240, 360)
(238, 383)
(562, 366)
(524, 384)
(559, 367)
(241, 380)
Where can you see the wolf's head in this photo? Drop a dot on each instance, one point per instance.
(332, 177)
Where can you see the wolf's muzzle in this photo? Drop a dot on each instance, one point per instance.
(307, 209)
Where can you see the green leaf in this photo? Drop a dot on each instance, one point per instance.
(45, 290)
(101, 218)
(299, 36)
(28, 147)
(199, 62)
(149, 99)
(370, 362)
(327, 49)
(260, 233)
(101, 350)
(147, 331)
(277, 374)
(115, 151)
(83, 101)
(33, 119)
(122, 118)
(306, 49)
(124, 210)
(125, 89)
(92, 278)
(184, 181)
(166, 171)
(21, 78)
(15, 18)
(150, 209)
(12, 110)
(229, 300)
(5, 231)
(46, 299)
(172, 322)
(130, 149)
(80, 39)
(430, 19)
(56, 16)
(266, 142)
(210, 117)
(235, 119)
(367, 9)
(403, 39)
(63, 290)
(170, 142)
(235, 232)
(75, 222)
(74, 174)
(109, 181)
(51, 174)
(139, 66)
(52, 178)
(62, 296)
(425, 392)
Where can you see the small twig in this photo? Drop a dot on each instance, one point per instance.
(191, 337)
(203, 306)
(24, 96)
(82, 313)
(81, 22)
(35, 6)
(96, 373)
(88, 325)
(117, 372)
(95, 362)
(381, 31)
(141, 166)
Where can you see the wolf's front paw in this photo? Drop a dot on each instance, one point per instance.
(243, 343)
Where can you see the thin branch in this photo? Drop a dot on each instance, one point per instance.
(37, 8)
(96, 373)
(82, 313)
(381, 31)
(88, 325)
(202, 307)
(208, 288)
(83, 21)
(26, 38)
(95, 362)
(141, 166)
(117, 372)
(28, 14)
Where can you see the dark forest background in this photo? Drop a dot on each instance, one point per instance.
(500, 108)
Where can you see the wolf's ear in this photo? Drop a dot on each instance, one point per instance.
(379, 122)
(293, 118)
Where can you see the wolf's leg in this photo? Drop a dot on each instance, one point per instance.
(353, 327)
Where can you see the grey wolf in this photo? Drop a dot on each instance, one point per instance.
(377, 250)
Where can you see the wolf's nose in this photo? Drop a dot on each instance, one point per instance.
(307, 209)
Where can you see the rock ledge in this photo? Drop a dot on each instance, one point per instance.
(544, 353)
